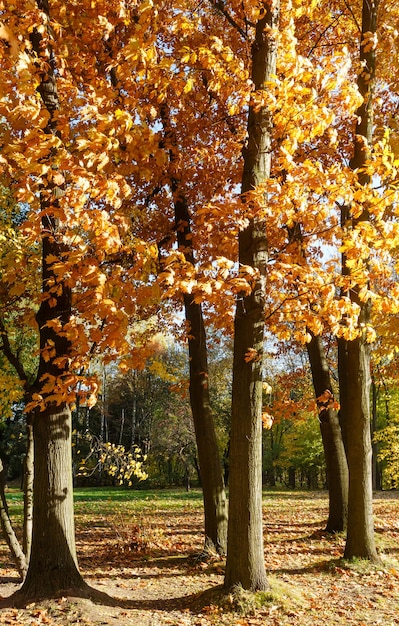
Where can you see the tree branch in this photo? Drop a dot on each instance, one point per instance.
(348, 6)
(323, 32)
(220, 6)
(12, 358)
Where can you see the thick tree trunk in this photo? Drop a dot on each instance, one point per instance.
(354, 355)
(214, 495)
(52, 567)
(245, 558)
(334, 451)
(356, 412)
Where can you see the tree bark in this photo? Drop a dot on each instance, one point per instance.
(28, 489)
(20, 555)
(354, 355)
(334, 451)
(333, 446)
(213, 490)
(376, 469)
(52, 566)
(8, 531)
(360, 534)
(212, 481)
(214, 495)
(245, 558)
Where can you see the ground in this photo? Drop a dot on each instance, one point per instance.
(141, 552)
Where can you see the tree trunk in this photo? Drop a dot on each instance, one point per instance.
(122, 426)
(360, 536)
(8, 531)
(213, 490)
(53, 566)
(134, 411)
(214, 495)
(245, 558)
(292, 477)
(270, 470)
(28, 490)
(354, 355)
(334, 451)
(215, 502)
(376, 470)
(212, 482)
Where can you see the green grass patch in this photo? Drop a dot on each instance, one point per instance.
(15, 501)
(128, 495)
(280, 594)
(117, 507)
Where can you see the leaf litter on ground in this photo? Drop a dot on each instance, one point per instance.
(141, 550)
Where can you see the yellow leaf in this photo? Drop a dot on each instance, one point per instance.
(267, 420)
(188, 86)
(17, 289)
(252, 355)
(8, 36)
(58, 179)
(51, 258)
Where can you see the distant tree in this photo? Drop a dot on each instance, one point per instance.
(18, 555)
(386, 435)
(292, 442)
(220, 381)
(146, 409)
(173, 458)
(303, 452)
(330, 428)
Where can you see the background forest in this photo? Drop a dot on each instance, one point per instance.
(150, 409)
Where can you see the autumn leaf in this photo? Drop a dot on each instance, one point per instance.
(267, 420)
(252, 355)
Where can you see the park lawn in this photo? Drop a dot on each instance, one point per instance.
(139, 548)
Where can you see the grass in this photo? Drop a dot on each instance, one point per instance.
(107, 499)
(138, 542)
(116, 493)
(280, 594)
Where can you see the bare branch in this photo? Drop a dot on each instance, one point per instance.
(320, 37)
(220, 6)
(348, 6)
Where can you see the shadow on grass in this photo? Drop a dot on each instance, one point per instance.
(326, 566)
(282, 494)
(164, 565)
(387, 531)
